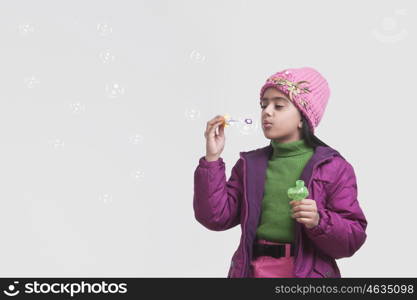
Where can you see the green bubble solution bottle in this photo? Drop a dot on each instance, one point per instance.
(298, 192)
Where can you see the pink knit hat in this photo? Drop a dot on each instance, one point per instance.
(307, 89)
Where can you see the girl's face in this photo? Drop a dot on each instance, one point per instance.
(284, 117)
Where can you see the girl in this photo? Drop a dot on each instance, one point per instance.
(283, 238)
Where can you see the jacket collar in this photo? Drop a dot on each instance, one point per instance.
(258, 159)
(265, 153)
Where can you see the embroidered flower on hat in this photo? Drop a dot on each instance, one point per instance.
(294, 88)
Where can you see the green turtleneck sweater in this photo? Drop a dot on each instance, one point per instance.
(284, 169)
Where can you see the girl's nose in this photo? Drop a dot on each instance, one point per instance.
(268, 110)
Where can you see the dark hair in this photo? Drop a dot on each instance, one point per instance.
(309, 136)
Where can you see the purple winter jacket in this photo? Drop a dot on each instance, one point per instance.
(219, 205)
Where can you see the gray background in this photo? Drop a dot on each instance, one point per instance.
(104, 105)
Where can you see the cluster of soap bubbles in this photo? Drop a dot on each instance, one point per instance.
(114, 89)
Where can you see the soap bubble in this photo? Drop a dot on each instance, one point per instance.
(114, 90)
(104, 29)
(31, 82)
(57, 143)
(197, 57)
(137, 175)
(391, 31)
(106, 198)
(248, 128)
(77, 107)
(25, 29)
(192, 114)
(106, 57)
(136, 139)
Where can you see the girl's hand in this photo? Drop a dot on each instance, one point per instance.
(214, 140)
(305, 211)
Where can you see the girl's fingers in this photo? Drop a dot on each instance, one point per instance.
(303, 214)
(221, 130)
(213, 127)
(307, 201)
(303, 207)
(213, 121)
(303, 220)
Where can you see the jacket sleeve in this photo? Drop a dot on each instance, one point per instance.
(217, 202)
(341, 229)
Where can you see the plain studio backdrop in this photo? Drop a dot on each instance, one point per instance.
(104, 105)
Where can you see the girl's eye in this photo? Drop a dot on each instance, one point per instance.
(276, 106)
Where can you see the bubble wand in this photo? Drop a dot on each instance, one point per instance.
(298, 192)
(228, 119)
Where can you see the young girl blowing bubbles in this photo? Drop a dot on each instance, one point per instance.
(283, 238)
